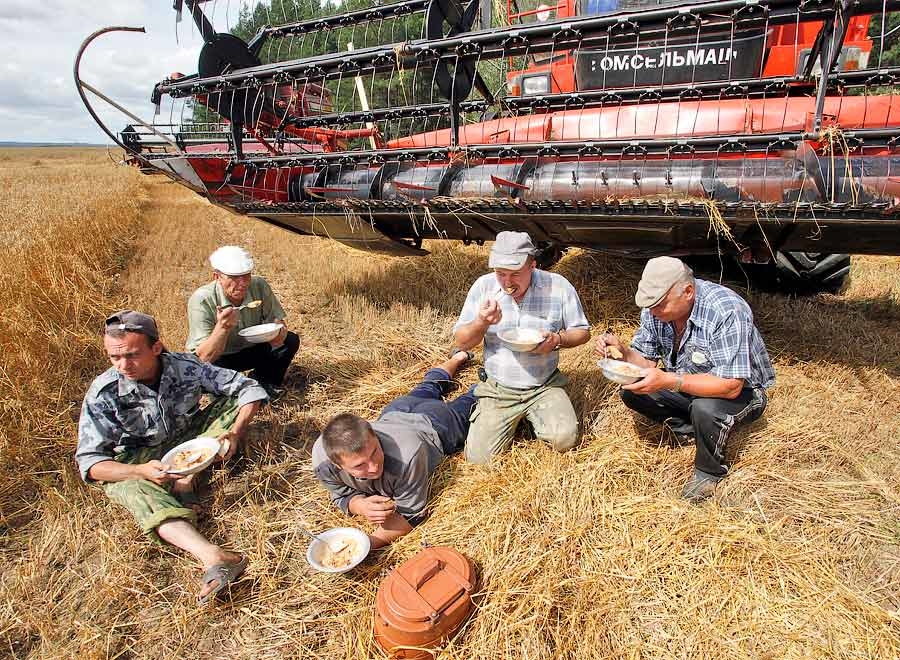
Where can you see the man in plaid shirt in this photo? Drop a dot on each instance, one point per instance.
(520, 385)
(715, 368)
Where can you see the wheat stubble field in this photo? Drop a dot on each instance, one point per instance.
(590, 554)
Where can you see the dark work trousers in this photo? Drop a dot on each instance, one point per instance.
(450, 420)
(268, 364)
(710, 421)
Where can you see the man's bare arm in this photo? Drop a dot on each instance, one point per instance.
(211, 348)
(701, 385)
(114, 471)
(470, 335)
(390, 530)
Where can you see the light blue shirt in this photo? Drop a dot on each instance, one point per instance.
(550, 304)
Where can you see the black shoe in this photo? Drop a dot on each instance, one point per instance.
(699, 487)
(274, 392)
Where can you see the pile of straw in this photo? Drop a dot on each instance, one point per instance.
(581, 555)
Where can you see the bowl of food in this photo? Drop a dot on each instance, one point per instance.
(192, 456)
(260, 334)
(521, 339)
(621, 372)
(344, 548)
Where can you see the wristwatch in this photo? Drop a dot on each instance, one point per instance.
(679, 382)
(559, 336)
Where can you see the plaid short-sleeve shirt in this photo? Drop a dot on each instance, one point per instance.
(551, 303)
(720, 339)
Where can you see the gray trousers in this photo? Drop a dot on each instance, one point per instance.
(710, 421)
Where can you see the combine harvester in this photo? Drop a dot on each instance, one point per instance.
(757, 129)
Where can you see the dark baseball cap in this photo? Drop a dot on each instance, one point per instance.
(127, 320)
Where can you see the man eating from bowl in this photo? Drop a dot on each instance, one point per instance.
(146, 404)
(215, 322)
(517, 384)
(381, 470)
(715, 365)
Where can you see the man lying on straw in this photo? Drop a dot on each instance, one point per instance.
(715, 365)
(381, 470)
(520, 385)
(214, 321)
(146, 404)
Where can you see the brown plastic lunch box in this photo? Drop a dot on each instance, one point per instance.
(423, 602)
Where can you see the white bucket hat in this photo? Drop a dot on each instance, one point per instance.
(231, 260)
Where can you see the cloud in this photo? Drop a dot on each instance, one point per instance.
(38, 98)
(15, 11)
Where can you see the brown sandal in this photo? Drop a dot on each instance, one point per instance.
(225, 574)
(453, 351)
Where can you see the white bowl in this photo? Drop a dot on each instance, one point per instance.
(621, 372)
(336, 537)
(260, 334)
(202, 443)
(521, 339)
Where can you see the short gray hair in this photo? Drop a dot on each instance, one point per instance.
(686, 278)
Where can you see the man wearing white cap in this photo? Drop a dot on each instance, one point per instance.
(215, 320)
(520, 385)
(715, 365)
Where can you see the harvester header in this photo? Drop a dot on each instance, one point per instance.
(747, 126)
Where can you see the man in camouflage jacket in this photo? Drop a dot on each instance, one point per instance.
(147, 403)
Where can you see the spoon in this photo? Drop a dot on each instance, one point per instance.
(253, 304)
(611, 351)
(497, 296)
(323, 541)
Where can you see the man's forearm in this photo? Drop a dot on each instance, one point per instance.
(470, 335)
(574, 337)
(211, 348)
(636, 357)
(390, 530)
(111, 470)
(352, 505)
(244, 417)
(706, 385)
(278, 341)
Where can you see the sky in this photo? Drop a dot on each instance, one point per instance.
(38, 100)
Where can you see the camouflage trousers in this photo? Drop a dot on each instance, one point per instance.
(152, 504)
(500, 409)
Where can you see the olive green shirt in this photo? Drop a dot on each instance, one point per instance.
(202, 313)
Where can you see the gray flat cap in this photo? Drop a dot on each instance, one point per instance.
(511, 250)
(660, 274)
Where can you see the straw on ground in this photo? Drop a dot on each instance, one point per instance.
(582, 555)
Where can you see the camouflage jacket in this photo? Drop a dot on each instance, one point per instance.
(119, 413)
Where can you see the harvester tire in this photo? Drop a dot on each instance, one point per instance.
(802, 272)
(548, 255)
